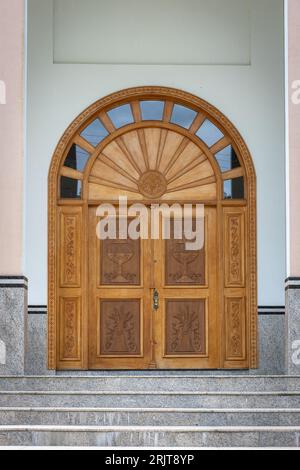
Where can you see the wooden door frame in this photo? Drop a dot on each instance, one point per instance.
(56, 205)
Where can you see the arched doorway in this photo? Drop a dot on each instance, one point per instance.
(154, 307)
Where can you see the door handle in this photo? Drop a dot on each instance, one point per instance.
(155, 299)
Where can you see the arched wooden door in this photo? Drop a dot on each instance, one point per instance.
(140, 304)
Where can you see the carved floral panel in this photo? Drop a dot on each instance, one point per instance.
(69, 317)
(120, 327)
(185, 327)
(234, 250)
(235, 328)
(70, 231)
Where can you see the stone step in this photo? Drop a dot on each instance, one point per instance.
(169, 399)
(149, 382)
(149, 416)
(150, 436)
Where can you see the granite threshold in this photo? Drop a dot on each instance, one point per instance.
(155, 429)
(151, 375)
(149, 410)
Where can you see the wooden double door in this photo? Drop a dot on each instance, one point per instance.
(152, 302)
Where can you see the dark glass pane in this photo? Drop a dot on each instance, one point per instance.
(76, 158)
(234, 188)
(209, 133)
(227, 159)
(182, 116)
(121, 116)
(70, 188)
(94, 133)
(152, 110)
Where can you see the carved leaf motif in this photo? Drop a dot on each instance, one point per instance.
(186, 331)
(236, 340)
(120, 332)
(235, 250)
(70, 250)
(70, 329)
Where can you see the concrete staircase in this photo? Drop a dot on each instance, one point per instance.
(150, 410)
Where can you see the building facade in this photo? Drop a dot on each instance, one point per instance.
(232, 65)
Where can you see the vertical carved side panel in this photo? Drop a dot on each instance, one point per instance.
(69, 328)
(235, 289)
(70, 248)
(235, 325)
(70, 304)
(234, 230)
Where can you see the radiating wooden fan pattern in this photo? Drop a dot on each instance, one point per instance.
(152, 163)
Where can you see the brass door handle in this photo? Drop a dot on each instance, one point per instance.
(155, 299)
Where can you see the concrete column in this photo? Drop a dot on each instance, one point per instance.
(13, 285)
(293, 187)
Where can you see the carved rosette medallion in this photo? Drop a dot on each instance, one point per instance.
(152, 184)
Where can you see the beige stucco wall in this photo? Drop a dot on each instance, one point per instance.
(11, 135)
(294, 139)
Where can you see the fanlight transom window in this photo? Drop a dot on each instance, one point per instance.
(198, 124)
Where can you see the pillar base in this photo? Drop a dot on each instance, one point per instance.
(292, 296)
(13, 324)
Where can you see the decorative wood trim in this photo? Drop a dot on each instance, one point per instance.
(168, 94)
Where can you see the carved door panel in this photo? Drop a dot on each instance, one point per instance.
(186, 323)
(126, 331)
(119, 302)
